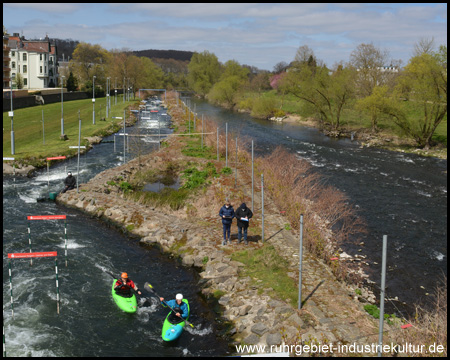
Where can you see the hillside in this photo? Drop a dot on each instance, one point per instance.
(165, 54)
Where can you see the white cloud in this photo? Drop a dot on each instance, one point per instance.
(58, 8)
(255, 34)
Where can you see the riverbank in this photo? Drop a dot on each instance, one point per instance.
(367, 138)
(332, 312)
(21, 167)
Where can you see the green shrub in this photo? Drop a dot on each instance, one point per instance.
(375, 312)
(226, 170)
(125, 186)
(263, 107)
(278, 113)
(194, 178)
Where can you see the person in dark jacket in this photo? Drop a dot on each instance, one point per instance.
(69, 182)
(243, 215)
(227, 214)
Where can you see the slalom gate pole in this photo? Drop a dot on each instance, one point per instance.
(33, 255)
(49, 217)
(29, 242)
(4, 342)
(10, 288)
(57, 286)
(65, 240)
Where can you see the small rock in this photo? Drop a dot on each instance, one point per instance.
(273, 339)
(259, 329)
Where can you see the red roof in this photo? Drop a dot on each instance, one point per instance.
(38, 46)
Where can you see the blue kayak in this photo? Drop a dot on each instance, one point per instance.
(171, 331)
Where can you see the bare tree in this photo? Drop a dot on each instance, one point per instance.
(279, 67)
(369, 61)
(303, 54)
(424, 46)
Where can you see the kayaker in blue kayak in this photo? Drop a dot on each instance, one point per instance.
(124, 285)
(179, 306)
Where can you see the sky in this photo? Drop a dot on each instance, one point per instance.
(258, 34)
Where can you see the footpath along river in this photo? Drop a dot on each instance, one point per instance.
(403, 196)
(90, 323)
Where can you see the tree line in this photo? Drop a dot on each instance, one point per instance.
(413, 97)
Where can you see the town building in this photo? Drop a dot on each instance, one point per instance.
(6, 61)
(35, 61)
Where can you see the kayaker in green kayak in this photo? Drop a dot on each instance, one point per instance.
(179, 306)
(124, 285)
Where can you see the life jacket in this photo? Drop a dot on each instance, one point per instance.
(173, 319)
(124, 290)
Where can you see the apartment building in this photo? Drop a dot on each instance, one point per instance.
(6, 60)
(35, 61)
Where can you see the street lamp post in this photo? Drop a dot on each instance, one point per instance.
(93, 100)
(62, 107)
(107, 97)
(128, 89)
(11, 114)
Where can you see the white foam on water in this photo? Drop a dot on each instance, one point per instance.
(351, 170)
(71, 245)
(423, 193)
(437, 255)
(197, 331)
(27, 199)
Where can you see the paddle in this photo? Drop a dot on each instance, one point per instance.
(150, 287)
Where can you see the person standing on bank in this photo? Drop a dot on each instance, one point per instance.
(243, 215)
(69, 182)
(227, 214)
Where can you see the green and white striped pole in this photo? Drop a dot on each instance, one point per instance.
(65, 235)
(29, 242)
(57, 286)
(4, 342)
(10, 288)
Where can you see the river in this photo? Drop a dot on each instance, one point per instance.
(403, 196)
(90, 323)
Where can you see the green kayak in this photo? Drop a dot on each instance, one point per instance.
(127, 304)
(171, 331)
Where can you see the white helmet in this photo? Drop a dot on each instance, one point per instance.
(179, 297)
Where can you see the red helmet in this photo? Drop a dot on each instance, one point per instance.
(124, 275)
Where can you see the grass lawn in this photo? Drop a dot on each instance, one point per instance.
(269, 269)
(28, 132)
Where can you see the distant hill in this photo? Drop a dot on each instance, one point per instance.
(165, 54)
(67, 46)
